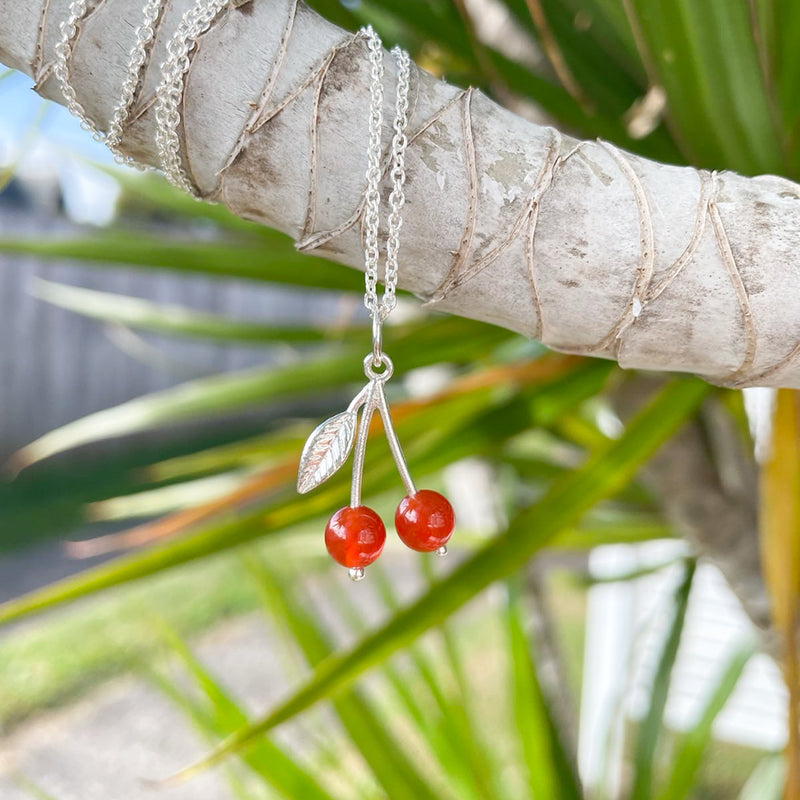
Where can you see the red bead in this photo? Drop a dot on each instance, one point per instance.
(355, 536)
(425, 521)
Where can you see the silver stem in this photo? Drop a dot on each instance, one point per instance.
(360, 398)
(361, 443)
(394, 442)
(377, 339)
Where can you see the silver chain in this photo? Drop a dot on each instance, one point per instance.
(381, 308)
(69, 29)
(63, 52)
(196, 21)
(145, 34)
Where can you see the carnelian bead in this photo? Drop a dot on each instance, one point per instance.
(425, 520)
(355, 536)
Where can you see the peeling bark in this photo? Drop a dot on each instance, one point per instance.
(586, 247)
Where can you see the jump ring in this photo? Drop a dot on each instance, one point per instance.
(385, 362)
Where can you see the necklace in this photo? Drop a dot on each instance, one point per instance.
(145, 33)
(355, 535)
(196, 21)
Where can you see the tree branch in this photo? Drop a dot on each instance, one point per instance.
(591, 249)
(706, 486)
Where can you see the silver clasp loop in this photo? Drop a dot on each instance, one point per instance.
(377, 338)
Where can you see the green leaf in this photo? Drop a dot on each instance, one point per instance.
(211, 540)
(429, 20)
(570, 498)
(610, 28)
(249, 452)
(408, 683)
(336, 12)
(705, 57)
(462, 711)
(649, 730)
(454, 738)
(767, 781)
(609, 84)
(138, 313)
(273, 259)
(432, 343)
(457, 427)
(200, 398)
(265, 758)
(547, 762)
(151, 193)
(203, 720)
(423, 22)
(595, 534)
(693, 746)
(778, 36)
(382, 752)
(51, 499)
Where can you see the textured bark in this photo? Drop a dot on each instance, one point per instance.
(578, 244)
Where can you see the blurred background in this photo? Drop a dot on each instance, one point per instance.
(162, 363)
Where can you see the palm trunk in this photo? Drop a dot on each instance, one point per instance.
(590, 249)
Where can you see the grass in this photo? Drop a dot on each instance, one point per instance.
(63, 655)
(58, 657)
(566, 599)
(724, 771)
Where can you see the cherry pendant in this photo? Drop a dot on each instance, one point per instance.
(355, 537)
(425, 521)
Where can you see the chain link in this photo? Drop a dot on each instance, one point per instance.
(196, 21)
(380, 309)
(372, 199)
(397, 197)
(145, 34)
(63, 51)
(69, 29)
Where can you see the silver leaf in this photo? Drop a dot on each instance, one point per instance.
(326, 450)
